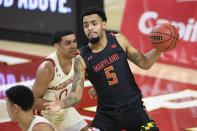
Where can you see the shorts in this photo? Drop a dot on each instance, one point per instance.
(132, 117)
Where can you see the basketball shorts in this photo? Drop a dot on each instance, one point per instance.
(132, 117)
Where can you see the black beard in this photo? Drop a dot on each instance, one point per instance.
(94, 40)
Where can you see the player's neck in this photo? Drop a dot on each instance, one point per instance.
(100, 45)
(65, 63)
(26, 120)
(63, 60)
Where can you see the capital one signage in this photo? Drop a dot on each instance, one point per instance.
(141, 16)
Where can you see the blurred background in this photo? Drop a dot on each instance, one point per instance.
(169, 88)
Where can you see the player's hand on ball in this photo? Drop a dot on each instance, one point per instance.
(164, 37)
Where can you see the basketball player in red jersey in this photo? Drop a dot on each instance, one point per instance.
(54, 77)
(19, 102)
(104, 60)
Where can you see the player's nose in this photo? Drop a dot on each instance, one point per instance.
(90, 27)
(74, 45)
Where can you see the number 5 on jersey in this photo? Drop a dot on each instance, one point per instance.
(109, 72)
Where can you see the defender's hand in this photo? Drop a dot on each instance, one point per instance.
(92, 93)
(54, 106)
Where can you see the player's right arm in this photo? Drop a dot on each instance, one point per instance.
(142, 61)
(77, 88)
(44, 76)
(78, 83)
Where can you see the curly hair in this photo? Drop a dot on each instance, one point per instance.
(94, 10)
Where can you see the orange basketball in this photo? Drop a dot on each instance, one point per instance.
(164, 37)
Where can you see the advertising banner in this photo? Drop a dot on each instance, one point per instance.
(141, 16)
(169, 87)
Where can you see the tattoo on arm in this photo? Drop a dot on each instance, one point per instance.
(77, 87)
(69, 101)
(78, 80)
(134, 57)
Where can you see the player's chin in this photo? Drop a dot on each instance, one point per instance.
(73, 54)
(92, 36)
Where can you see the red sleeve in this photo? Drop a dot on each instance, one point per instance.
(50, 59)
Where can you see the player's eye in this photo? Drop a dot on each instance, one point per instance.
(94, 23)
(67, 42)
(75, 41)
(85, 25)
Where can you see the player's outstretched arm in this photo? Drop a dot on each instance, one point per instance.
(77, 88)
(142, 61)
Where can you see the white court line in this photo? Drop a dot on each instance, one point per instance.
(192, 129)
(88, 117)
(2, 101)
(186, 0)
(29, 83)
(87, 83)
(5, 120)
(110, 1)
(85, 117)
(13, 60)
(168, 72)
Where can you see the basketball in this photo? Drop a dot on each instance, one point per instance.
(164, 37)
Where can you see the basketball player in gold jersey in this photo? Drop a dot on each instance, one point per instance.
(54, 77)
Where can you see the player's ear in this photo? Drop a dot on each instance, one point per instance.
(56, 45)
(104, 25)
(16, 108)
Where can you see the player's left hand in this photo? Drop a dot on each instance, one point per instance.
(92, 93)
(54, 106)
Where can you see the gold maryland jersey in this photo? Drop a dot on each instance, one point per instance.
(39, 120)
(61, 85)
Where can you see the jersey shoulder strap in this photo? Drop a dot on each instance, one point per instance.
(84, 53)
(112, 38)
